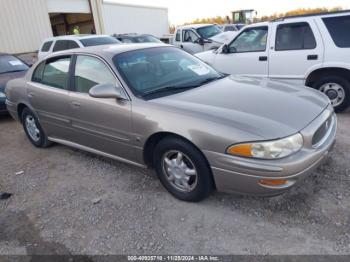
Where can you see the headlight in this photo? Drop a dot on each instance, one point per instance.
(270, 149)
(2, 95)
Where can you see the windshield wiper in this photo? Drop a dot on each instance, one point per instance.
(181, 88)
(167, 89)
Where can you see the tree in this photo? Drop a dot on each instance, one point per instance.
(301, 11)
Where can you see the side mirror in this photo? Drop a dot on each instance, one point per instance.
(200, 41)
(203, 41)
(107, 91)
(225, 49)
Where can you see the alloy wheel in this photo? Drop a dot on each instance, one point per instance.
(180, 171)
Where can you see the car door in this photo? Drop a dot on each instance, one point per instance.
(190, 42)
(49, 96)
(103, 124)
(298, 45)
(247, 54)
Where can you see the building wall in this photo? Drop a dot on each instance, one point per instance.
(23, 25)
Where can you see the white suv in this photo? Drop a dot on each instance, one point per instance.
(60, 43)
(311, 50)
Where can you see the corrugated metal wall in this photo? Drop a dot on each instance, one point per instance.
(23, 25)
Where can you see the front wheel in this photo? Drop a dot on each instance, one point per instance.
(337, 89)
(183, 170)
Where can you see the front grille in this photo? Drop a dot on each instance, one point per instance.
(322, 132)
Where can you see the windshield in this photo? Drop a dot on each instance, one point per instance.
(149, 72)
(208, 31)
(94, 41)
(240, 26)
(9, 63)
(146, 39)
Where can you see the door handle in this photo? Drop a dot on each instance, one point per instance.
(75, 104)
(30, 95)
(312, 57)
(182, 46)
(262, 58)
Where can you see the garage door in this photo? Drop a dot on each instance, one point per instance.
(68, 6)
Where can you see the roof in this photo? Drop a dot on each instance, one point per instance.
(109, 51)
(131, 35)
(310, 15)
(195, 26)
(76, 37)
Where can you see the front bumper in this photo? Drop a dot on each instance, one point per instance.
(12, 109)
(243, 175)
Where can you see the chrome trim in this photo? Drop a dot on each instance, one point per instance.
(94, 151)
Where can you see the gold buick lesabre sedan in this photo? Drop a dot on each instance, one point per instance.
(156, 106)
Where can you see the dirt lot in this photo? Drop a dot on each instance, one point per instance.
(70, 202)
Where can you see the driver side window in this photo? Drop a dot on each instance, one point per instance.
(250, 40)
(90, 71)
(189, 36)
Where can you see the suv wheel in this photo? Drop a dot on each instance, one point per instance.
(183, 170)
(33, 129)
(337, 89)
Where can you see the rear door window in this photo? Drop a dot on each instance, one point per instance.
(38, 72)
(339, 29)
(295, 36)
(61, 45)
(56, 72)
(46, 46)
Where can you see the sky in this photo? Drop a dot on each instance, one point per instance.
(181, 11)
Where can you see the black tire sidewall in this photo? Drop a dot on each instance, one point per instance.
(338, 80)
(204, 177)
(42, 142)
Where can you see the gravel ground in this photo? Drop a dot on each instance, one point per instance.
(70, 202)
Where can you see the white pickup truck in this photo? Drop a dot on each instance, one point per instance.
(311, 50)
(201, 37)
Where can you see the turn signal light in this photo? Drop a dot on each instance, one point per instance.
(241, 150)
(273, 182)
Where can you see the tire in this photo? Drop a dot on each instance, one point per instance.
(30, 122)
(174, 174)
(330, 85)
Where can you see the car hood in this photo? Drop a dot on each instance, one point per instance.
(4, 78)
(262, 107)
(224, 37)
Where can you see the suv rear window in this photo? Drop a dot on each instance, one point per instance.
(46, 47)
(94, 41)
(61, 45)
(339, 28)
(295, 36)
